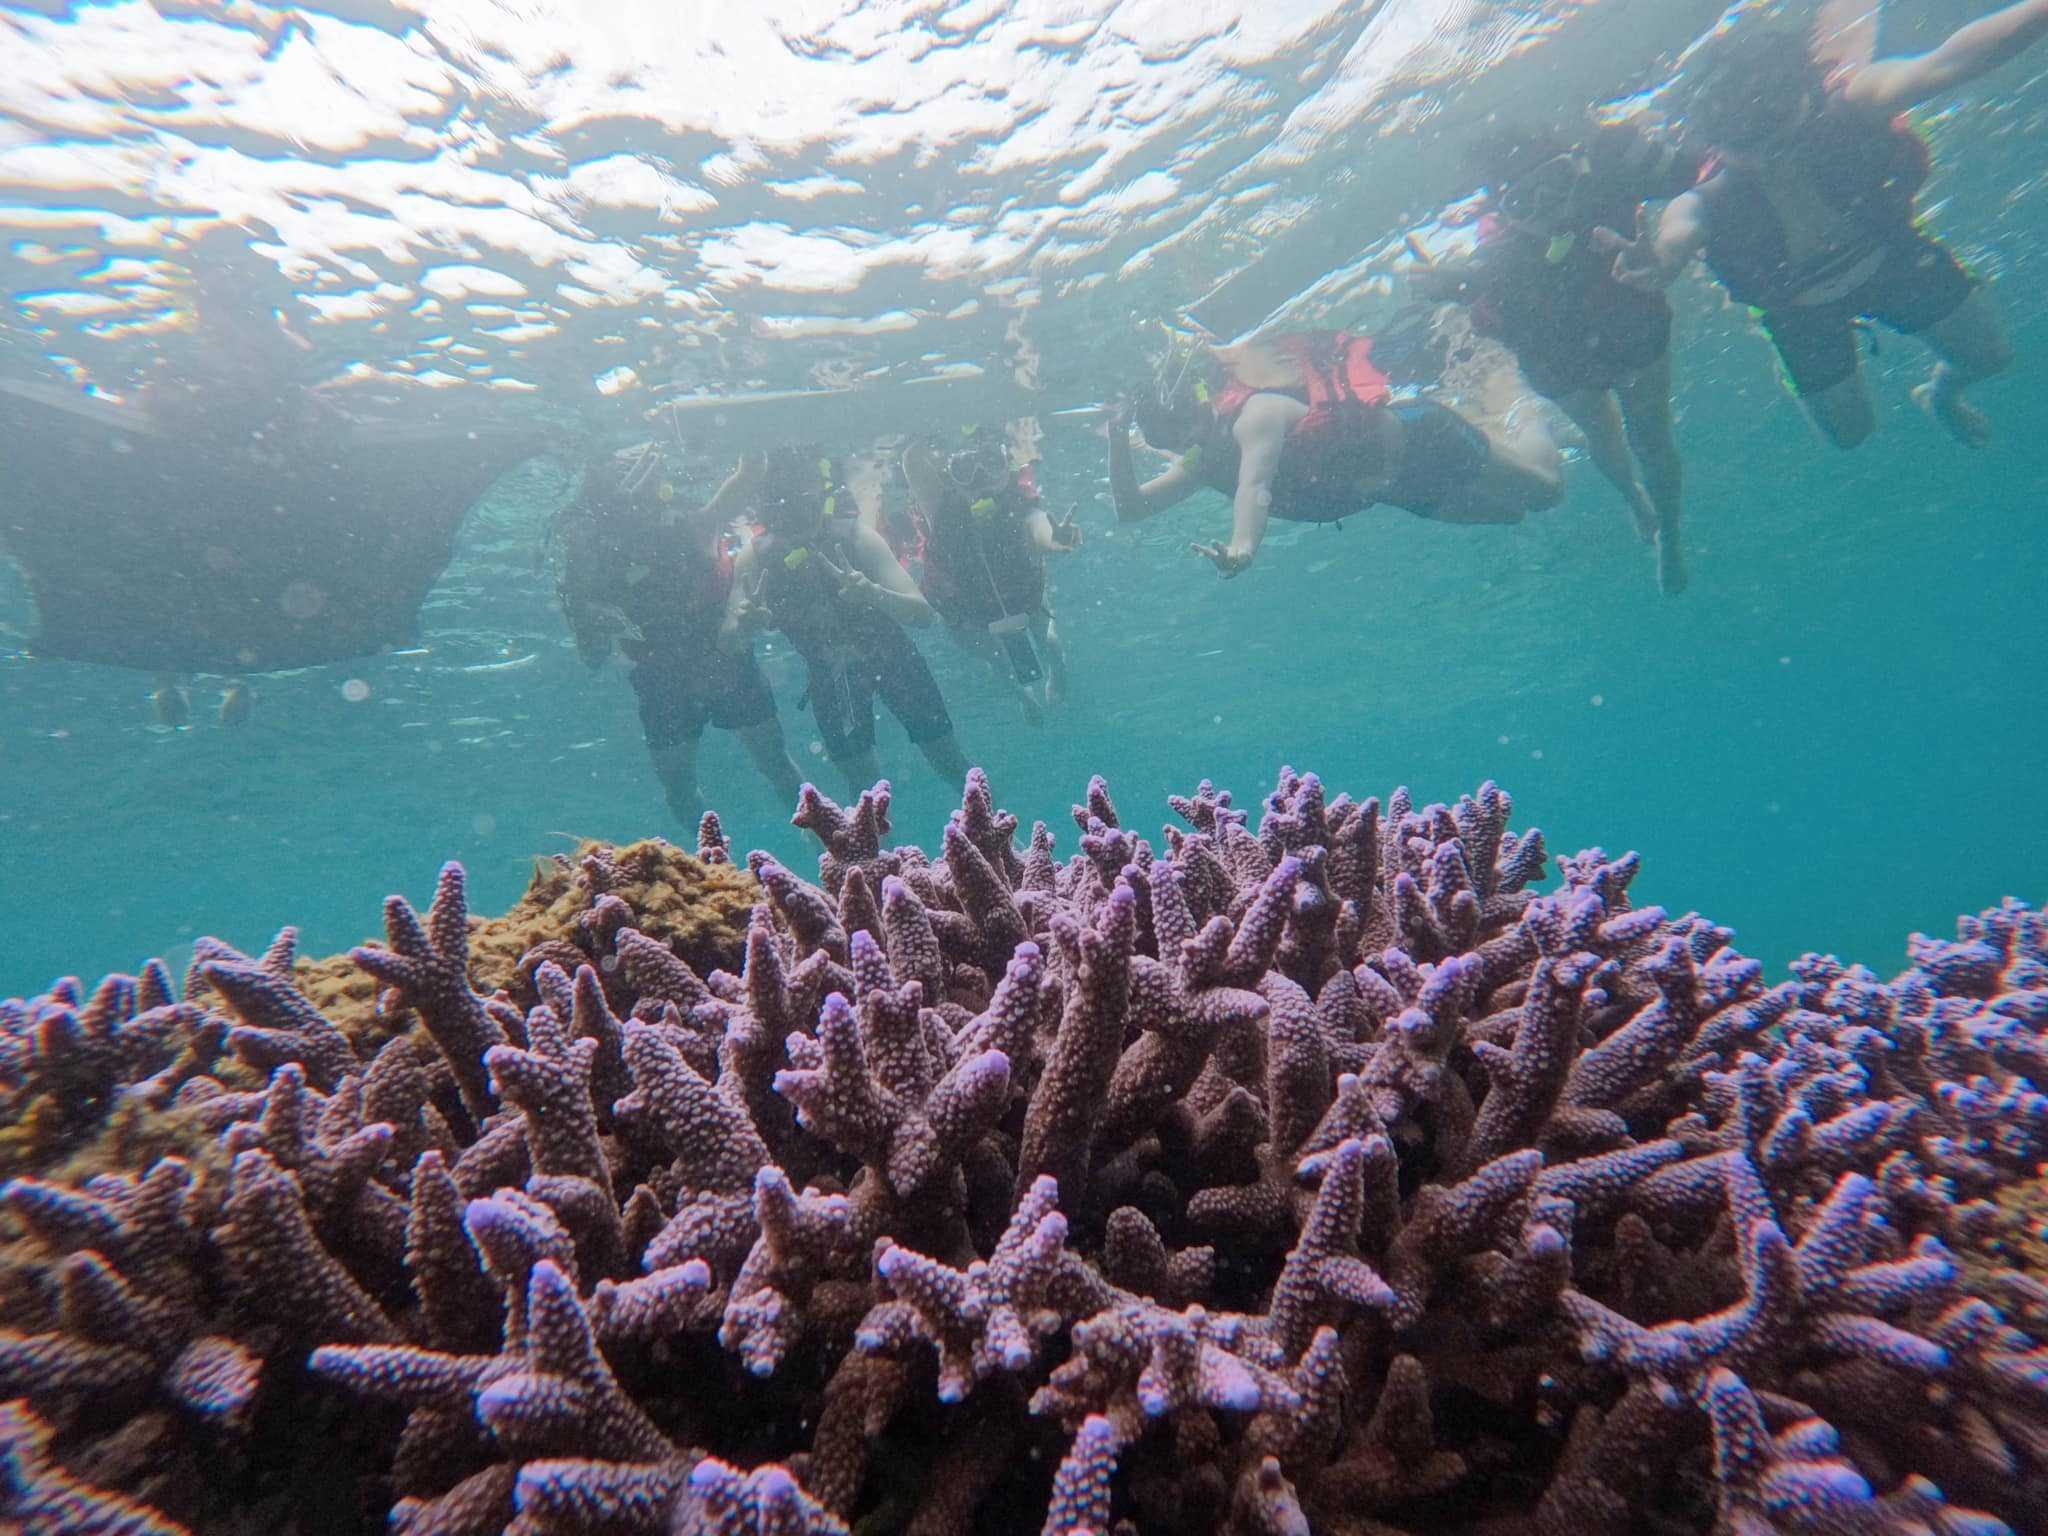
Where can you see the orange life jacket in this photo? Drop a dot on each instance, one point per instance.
(1335, 368)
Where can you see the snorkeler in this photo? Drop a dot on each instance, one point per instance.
(1809, 214)
(1543, 285)
(984, 540)
(644, 576)
(833, 588)
(1303, 427)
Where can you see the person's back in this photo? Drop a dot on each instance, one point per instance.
(1303, 428)
(1335, 447)
(1821, 214)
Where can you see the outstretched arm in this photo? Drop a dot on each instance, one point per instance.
(921, 470)
(1053, 538)
(1135, 501)
(730, 498)
(743, 613)
(876, 577)
(1678, 235)
(1261, 431)
(1892, 85)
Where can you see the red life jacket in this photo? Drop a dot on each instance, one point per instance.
(1335, 369)
(1329, 451)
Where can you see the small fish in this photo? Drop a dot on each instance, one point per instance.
(171, 704)
(504, 666)
(236, 701)
(414, 650)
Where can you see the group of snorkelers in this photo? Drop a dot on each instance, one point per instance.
(814, 547)
(1795, 177)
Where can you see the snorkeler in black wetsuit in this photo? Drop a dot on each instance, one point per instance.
(1302, 427)
(983, 539)
(837, 593)
(644, 576)
(1541, 281)
(1810, 214)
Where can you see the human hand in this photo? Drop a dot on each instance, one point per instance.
(1635, 261)
(751, 613)
(1066, 533)
(1229, 559)
(852, 583)
(1116, 418)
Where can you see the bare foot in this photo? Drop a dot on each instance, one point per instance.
(1671, 577)
(1946, 405)
(1055, 687)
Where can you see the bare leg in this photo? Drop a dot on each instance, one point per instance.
(1646, 411)
(764, 744)
(1055, 653)
(1597, 413)
(1969, 345)
(946, 758)
(1524, 472)
(984, 647)
(1843, 412)
(676, 766)
(1482, 382)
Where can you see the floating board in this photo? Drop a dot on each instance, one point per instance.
(1591, 53)
(226, 551)
(735, 423)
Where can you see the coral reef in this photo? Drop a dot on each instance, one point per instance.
(1312, 1176)
(92, 1091)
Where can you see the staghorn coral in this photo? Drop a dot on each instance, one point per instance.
(1316, 1175)
(86, 1078)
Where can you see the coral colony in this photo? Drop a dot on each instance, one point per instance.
(1313, 1178)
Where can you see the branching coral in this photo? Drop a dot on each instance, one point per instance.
(1312, 1176)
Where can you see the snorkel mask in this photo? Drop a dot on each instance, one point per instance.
(799, 491)
(980, 464)
(1546, 196)
(1170, 413)
(643, 474)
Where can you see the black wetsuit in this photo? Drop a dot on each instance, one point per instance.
(671, 586)
(979, 561)
(853, 652)
(1555, 303)
(1869, 167)
(1331, 464)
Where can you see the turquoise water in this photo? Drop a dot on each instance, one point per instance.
(1833, 738)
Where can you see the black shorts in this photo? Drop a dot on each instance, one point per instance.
(1442, 455)
(1610, 351)
(680, 694)
(1920, 284)
(842, 695)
